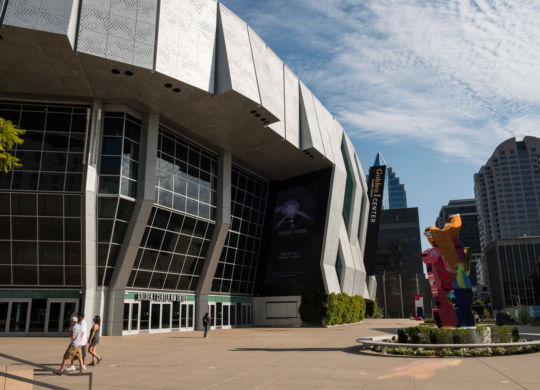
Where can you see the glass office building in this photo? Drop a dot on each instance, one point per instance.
(172, 166)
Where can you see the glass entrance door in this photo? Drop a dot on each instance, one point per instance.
(187, 318)
(160, 317)
(212, 311)
(59, 313)
(15, 316)
(226, 315)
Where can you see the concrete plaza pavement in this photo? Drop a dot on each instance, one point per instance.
(275, 358)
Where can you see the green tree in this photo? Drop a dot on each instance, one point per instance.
(9, 137)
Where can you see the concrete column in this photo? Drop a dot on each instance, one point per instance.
(223, 222)
(92, 292)
(132, 241)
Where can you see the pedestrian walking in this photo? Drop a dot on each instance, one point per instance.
(82, 342)
(93, 341)
(74, 349)
(206, 323)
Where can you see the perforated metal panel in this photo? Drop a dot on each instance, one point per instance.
(292, 107)
(187, 40)
(120, 30)
(241, 67)
(52, 16)
(309, 126)
(269, 70)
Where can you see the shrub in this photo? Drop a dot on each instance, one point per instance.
(433, 336)
(444, 336)
(401, 336)
(332, 309)
(371, 308)
(313, 308)
(413, 334)
(504, 334)
(515, 335)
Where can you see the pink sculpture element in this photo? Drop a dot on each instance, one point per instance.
(441, 279)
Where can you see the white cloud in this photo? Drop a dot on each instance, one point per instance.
(457, 76)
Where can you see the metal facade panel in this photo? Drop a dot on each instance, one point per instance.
(53, 16)
(187, 41)
(269, 71)
(119, 30)
(325, 120)
(309, 126)
(292, 107)
(239, 56)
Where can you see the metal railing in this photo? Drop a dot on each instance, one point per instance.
(43, 367)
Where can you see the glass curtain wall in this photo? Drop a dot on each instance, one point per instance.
(40, 204)
(235, 273)
(178, 232)
(118, 175)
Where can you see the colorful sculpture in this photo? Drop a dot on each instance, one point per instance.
(440, 276)
(448, 272)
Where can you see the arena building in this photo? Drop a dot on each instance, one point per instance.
(172, 165)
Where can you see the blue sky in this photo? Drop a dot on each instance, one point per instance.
(433, 85)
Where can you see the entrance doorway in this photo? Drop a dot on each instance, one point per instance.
(59, 313)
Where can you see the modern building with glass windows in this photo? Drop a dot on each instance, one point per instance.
(507, 194)
(172, 166)
(397, 196)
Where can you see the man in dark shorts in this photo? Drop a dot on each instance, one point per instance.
(74, 350)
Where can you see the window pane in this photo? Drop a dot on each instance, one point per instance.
(125, 209)
(73, 276)
(50, 205)
(24, 228)
(5, 230)
(112, 146)
(113, 126)
(110, 165)
(72, 229)
(107, 207)
(73, 253)
(51, 253)
(25, 181)
(72, 206)
(51, 276)
(56, 142)
(51, 182)
(24, 275)
(24, 252)
(23, 204)
(51, 229)
(109, 184)
(58, 122)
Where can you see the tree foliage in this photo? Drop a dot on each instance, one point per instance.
(9, 137)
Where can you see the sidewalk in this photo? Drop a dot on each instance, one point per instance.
(275, 358)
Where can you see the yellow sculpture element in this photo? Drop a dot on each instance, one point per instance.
(445, 239)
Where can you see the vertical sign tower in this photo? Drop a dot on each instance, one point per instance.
(375, 192)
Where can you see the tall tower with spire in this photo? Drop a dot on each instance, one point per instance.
(397, 196)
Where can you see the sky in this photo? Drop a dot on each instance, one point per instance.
(435, 86)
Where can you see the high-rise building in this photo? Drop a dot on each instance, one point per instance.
(511, 262)
(507, 192)
(155, 171)
(397, 196)
(398, 266)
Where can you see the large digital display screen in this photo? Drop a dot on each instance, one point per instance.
(293, 235)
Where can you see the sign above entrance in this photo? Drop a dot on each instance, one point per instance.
(160, 297)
